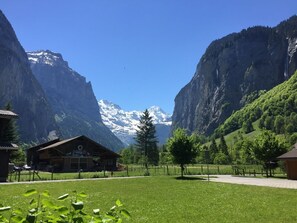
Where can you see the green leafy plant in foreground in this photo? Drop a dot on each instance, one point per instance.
(67, 208)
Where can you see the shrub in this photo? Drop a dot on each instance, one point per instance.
(221, 159)
(64, 209)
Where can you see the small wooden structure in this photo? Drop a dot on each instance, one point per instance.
(5, 146)
(290, 159)
(71, 155)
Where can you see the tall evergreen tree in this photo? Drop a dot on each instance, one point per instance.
(223, 146)
(11, 135)
(146, 141)
(247, 126)
(223, 156)
(213, 149)
(10, 131)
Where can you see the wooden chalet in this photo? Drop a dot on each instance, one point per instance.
(290, 159)
(71, 155)
(5, 146)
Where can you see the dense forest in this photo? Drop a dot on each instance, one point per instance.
(276, 110)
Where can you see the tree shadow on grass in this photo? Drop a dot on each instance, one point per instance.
(189, 178)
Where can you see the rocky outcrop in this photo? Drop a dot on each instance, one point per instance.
(19, 87)
(232, 69)
(72, 99)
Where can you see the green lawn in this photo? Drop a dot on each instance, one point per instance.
(166, 199)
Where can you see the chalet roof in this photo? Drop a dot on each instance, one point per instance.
(7, 114)
(8, 146)
(57, 144)
(44, 144)
(291, 154)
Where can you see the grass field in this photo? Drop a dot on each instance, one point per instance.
(167, 199)
(232, 137)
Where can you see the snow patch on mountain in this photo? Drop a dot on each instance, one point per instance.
(124, 123)
(45, 57)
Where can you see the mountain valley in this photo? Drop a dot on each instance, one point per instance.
(53, 100)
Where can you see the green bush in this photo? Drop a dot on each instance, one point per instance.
(221, 159)
(64, 209)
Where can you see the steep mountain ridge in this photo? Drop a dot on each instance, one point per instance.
(275, 110)
(19, 87)
(233, 68)
(72, 99)
(124, 123)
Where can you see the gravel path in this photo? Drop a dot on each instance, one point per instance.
(266, 182)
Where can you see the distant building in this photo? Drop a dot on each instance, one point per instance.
(71, 155)
(290, 159)
(5, 146)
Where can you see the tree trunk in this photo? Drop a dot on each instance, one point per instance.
(182, 170)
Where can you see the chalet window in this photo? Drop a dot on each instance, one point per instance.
(109, 162)
(78, 163)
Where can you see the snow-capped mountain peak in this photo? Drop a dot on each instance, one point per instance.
(109, 105)
(46, 57)
(124, 123)
(159, 116)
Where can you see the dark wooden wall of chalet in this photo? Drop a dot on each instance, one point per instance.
(90, 147)
(3, 123)
(291, 166)
(4, 159)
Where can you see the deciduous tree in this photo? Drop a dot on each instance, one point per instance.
(267, 149)
(181, 148)
(127, 155)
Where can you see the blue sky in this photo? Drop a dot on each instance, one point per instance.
(136, 53)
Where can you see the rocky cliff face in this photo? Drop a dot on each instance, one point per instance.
(72, 99)
(124, 123)
(19, 87)
(233, 68)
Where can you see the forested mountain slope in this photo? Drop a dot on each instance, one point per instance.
(232, 71)
(276, 110)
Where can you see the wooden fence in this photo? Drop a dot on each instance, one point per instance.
(138, 170)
